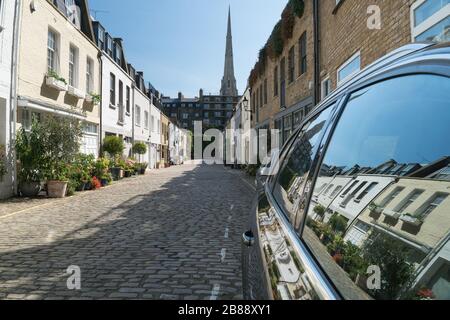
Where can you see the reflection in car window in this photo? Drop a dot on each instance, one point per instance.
(379, 218)
(290, 183)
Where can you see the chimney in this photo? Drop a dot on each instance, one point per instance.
(201, 93)
(180, 96)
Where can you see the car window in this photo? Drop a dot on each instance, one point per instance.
(294, 170)
(379, 219)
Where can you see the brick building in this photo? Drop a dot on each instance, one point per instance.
(319, 44)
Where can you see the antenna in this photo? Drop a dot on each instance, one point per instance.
(98, 11)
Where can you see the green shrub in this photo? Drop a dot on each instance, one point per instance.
(113, 145)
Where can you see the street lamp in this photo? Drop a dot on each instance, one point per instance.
(245, 104)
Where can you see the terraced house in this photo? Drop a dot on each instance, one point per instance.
(8, 15)
(318, 45)
(117, 88)
(59, 66)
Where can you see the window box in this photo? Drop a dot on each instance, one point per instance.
(391, 214)
(77, 93)
(54, 83)
(408, 219)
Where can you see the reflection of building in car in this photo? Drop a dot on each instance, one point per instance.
(414, 211)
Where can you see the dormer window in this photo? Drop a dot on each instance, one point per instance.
(118, 55)
(109, 45)
(101, 38)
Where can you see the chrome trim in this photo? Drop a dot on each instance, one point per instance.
(322, 286)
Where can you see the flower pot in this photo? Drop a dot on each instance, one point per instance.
(30, 189)
(87, 186)
(127, 173)
(56, 189)
(104, 182)
(117, 173)
(142, 171)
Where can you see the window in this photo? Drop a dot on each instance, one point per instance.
(302, 54)
(112, 89)
(52, 52)
(384, 128)
(433, 204)
(128, 103)
(336, 191)
(325, 88)
(146, 120)
(89, 75)
(261, 96)
(101, 38)
(291, 64)
(293, 174)
(118, 54)
(349, 68)
(443, 174)
(152, 123)
(28, 117)
(392, 196)
(283, 83)
(275, 81)
(137, 110)
(431, 20)
(185, 116)
(109, 45)
(73, 66)
(120, 93)
(366, 191)
(409, 201)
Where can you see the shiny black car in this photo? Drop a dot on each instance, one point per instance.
(359, 207)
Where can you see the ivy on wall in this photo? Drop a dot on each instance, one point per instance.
(281, 33)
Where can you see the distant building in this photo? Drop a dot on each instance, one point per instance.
(213, 110)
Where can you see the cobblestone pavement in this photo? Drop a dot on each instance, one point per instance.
(173, 234)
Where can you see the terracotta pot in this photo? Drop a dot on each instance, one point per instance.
(30, 189)
(56, 189)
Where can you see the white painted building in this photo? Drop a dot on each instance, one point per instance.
(117, 89)
(7, 15)
(155, 135)
(141, 118)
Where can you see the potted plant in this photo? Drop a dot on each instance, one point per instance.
(114, 146)
(93, 98)
(3, 169)
(412, 220)
(55, 81)
(61, 139)
(140, 148)
(375, 210)
(106, 179)
(57, 180)
(142, 167)
(95, 183)
(30, 150)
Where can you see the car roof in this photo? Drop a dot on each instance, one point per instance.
(390, 60)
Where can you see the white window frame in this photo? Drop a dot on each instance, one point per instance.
(346, 63)
(54, 50)
(89, 75)
(74, 64)
(137, 110)
(146, 120)
(428, 23)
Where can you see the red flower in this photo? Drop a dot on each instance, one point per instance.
(425, 293)
(96, 184)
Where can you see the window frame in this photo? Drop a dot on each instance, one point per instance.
(346, 64)
(428, 23)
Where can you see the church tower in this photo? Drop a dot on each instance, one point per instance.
(229, 81)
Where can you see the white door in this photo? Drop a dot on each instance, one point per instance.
(89, 144)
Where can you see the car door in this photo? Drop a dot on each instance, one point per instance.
(378, 222)
(273, 263)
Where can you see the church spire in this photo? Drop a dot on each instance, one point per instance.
(229, 81)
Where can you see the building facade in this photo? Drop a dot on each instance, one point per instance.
(8, 15)
(141, 122)
(117, 86)
(328, 42)
(155, 134)
(165, 154)
(59, 68)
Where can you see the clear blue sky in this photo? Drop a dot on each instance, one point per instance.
(180, 44)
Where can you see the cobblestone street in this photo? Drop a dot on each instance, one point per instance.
(172, 234)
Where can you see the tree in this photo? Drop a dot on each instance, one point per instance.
(139, 148)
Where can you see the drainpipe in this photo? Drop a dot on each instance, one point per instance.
(13, 93)
(316, 22)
